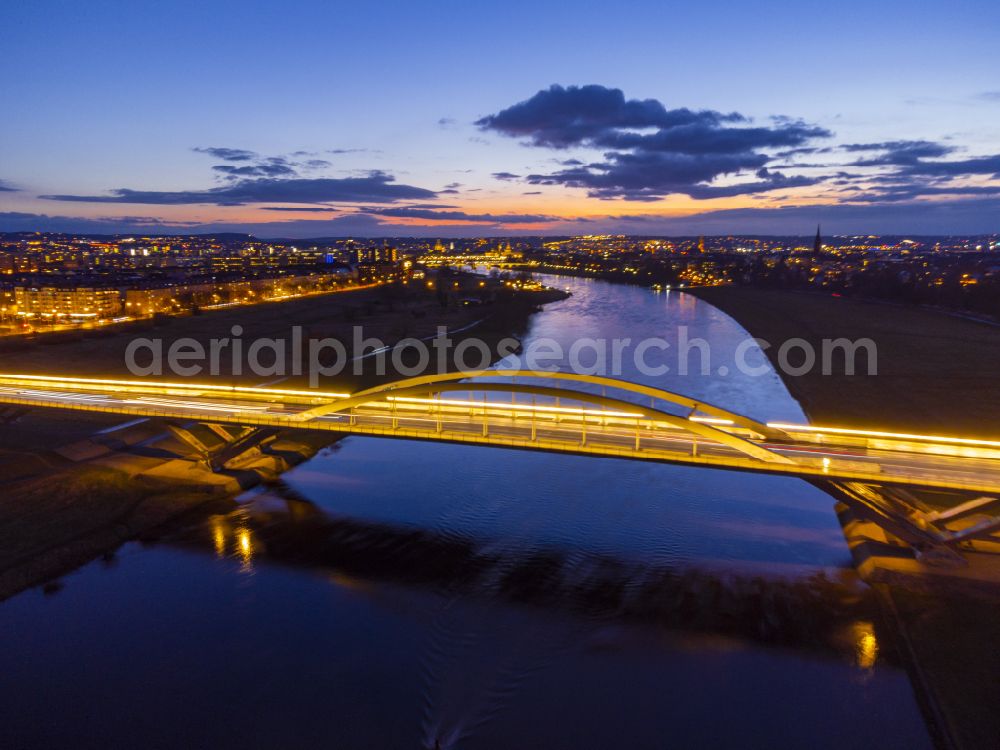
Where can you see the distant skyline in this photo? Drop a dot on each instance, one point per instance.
(331, 119)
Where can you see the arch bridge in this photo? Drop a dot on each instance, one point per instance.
(566, 413)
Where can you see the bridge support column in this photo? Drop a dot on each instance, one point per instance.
(186, 436)
(233, 446)
(252, 438)
(900, 514)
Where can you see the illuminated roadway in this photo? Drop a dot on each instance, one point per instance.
(545, 411)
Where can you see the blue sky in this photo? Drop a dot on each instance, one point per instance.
(338, 101)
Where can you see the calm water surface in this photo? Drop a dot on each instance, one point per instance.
(391, 594)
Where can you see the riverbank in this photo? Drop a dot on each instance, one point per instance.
(937, 373)
(76, 487)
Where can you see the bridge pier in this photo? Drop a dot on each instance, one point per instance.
(252, 437)
(902, 515)
(233, 446)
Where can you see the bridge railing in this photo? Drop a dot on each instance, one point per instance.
(525, 415)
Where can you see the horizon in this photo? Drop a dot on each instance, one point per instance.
(372, 238)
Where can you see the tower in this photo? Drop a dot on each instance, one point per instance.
(818, 242)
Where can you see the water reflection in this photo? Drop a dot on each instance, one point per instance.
(231, 536)
(282, 528)
(219, 537)
(867, 645)
(245, 549)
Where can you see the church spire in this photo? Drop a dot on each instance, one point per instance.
(818, 242)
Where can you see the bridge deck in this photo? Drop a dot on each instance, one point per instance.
(624, 432)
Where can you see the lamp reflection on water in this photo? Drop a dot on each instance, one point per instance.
(244, 546)
(865, 646)
(219, 539)
(242, 543)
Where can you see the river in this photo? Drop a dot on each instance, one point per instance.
(393, 594)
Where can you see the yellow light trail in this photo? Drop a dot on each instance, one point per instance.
(883, 434)
(95, 382)
(515, 409)
(497, 406)
(112, 384)
(195, 405)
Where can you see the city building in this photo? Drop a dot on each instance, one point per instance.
(68, 302)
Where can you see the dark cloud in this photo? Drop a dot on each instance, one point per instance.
(706, 137)
(650, 176)
(560, 117)
(272, 167)
(983, 165)
(989, 96)
(898, 153)
(253, 178)
(969, 216)
(505, 176)
(357, 224)
(314, 209)
(419, 213)
(374, 187)
(909, 192)
(804, 151)
(651, 151)
(5, 188)
(916, 168)
(244, 164)
(16, 221)
(227, 154)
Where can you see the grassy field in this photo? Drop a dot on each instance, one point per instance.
(387, 314)
(937, 373)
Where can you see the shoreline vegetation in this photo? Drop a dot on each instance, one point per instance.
(60, 513)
